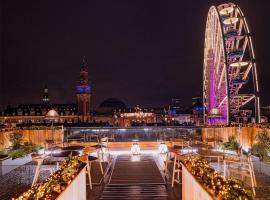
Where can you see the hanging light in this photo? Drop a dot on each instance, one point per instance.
(162, 149)
(135, 148)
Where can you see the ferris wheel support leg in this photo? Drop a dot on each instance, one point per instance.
(257, 110)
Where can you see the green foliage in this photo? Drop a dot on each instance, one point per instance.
(262, 147)
(3, 151)
(16, 140)
(17, 153)
(23, 150)
(31, 148)
(232, 144)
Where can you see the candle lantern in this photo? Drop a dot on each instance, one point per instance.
(162, 149)
(135, 148)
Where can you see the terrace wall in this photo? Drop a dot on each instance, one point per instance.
(33, 136)
(245, 135)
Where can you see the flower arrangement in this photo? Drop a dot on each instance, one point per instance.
(214, 183)
(52, 187)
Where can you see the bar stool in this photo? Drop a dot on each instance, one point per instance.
(102, 147)
(84, 158)
(39, 158)
(105, 146)
(87, 151)
(177, 143)
(177, 167)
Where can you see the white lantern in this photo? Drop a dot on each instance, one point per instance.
(135, 148)
(162, 149)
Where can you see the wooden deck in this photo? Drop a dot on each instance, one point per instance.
(133, 178)
(135, 192)
(135, 171)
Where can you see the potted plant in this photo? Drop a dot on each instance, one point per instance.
(261, 149)
(231, 146)
(3, 155)
(18, 154)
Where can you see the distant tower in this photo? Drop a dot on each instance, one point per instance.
(45, 97)
(83, 93)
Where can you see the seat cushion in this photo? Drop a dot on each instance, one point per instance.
(92, 158)
(177, 147)
(98, 146)
(73, 148)
(65, 154)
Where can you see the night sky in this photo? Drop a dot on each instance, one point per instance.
(143, 51)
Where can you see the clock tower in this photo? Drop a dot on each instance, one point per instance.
(83, 94)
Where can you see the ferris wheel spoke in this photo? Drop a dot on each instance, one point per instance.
(222, 76)
(247, 71)
(244, 48)
(241, 100)
(222, 101)
(239, 33)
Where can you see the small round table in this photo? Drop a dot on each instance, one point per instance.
(73, 148)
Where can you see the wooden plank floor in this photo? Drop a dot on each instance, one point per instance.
(135, 177)
(135, 192)
(130, 170)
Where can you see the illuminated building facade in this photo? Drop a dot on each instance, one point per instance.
(134, 117)
(197, 111)
(35, 113)
(83, 94)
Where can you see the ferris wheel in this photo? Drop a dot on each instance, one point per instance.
(229, 76)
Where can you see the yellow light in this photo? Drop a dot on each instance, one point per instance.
(239, 64)
(226, 11)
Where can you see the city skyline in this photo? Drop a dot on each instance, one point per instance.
(137, 52)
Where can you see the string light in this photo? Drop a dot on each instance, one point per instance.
(52, 187)
(214, 183)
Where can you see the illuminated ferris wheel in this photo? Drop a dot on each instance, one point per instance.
(229, 76)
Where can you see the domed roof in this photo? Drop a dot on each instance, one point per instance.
(113, 103)
(52, 114)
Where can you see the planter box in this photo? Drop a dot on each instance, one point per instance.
(8, 165)
(3, 157)
(76, 189)
(261, 166)
(191, 188)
